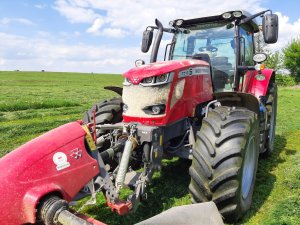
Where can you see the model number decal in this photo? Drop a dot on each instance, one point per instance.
(60, 160)
(200, 70)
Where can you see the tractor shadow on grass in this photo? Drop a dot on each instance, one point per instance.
(264, 179)
(168, 189)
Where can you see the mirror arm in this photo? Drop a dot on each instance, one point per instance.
(242, 68)
(254, 16)
(168, 30)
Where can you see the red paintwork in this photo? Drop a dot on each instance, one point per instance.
(198, 89)
(121, 207)
(29, 173)
(257, 87)
(137, 74)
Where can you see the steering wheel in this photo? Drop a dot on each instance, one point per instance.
(208, 48)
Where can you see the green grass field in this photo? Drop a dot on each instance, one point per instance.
(32, 103)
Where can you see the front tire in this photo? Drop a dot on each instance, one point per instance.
(225, 160)
(106, 112)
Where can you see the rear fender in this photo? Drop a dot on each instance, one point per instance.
(115, 89)
(255, 86)
(238, 99)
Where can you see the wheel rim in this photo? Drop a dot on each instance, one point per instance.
(272, 127)
(248, 169)
(272, 124)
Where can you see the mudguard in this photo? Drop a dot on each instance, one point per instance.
(115, 89)
(239, 99)
(257, 84)
(57, 161)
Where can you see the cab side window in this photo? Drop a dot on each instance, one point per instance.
(246, 50)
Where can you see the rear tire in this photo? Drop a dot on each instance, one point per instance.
(225, 160)
(271, 106)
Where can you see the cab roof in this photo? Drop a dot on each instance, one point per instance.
(191, 22)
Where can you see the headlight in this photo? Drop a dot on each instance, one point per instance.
(127, 82)
(148, 80)
(155, 109)
(161, 78)
(260, 57)
(226, 15)
(179, 22)
(125, 108)
(237, 14)
(158, 80)
(139, 62)
(171, 23)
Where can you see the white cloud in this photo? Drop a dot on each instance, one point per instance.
(2, 62)
(96, 26)
(136, 15)
(74, 12)
(39, 53)
(6, 21)
(113, 32)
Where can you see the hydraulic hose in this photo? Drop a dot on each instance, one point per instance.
(124, 163)
(109, 153)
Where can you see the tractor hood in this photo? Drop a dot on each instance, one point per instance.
(181, 88)
(136, 75)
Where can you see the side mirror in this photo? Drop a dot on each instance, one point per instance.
(270, 28)
(147, 40)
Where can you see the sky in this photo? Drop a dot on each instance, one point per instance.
(104, 36)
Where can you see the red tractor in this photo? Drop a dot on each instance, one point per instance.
(210, 101)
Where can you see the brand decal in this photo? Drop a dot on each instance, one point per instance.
(76, 153)
(200, 70)
(60, 160)
(135, 80)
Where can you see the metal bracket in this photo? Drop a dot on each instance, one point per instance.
(105, 182)
(209, 104)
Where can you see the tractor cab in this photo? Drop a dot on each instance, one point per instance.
(212, 42)
(225, 41)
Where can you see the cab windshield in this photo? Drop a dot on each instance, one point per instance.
(212, 42)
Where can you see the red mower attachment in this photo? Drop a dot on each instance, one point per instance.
(122, 208)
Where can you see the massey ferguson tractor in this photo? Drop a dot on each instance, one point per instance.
(210, 100)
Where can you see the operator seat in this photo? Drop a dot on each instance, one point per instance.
(205, 57)
(202, 56)
(221, 68)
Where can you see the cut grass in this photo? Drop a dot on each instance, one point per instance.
(33, 103)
